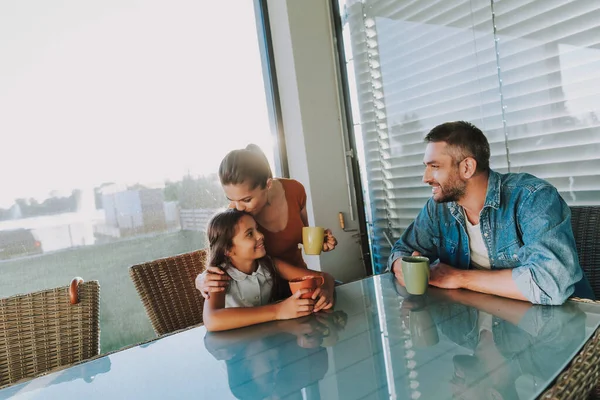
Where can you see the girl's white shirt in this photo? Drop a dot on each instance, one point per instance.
(248, 290)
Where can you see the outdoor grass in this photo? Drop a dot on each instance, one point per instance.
(123, 320)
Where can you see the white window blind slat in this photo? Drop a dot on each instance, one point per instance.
(408, 9)
(549, 20)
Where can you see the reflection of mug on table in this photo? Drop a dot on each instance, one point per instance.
(423, 331)
(312, 239)
(310, 282)
(415, 270)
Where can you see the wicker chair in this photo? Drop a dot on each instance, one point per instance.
(585, 221)
(167, 290)
(586, 227)
(580, 379)
(44, 330)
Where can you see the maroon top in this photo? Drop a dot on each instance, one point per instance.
(284, 244)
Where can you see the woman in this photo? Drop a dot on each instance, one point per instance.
(278, 205)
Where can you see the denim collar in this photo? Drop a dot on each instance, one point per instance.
(492, 197)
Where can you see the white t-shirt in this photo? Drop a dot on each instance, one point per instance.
(248, 290)
(479, 254)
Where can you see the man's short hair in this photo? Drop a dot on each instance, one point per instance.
(465, 140)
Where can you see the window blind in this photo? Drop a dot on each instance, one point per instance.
(525, 72)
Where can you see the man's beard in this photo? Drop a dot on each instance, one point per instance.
(453, 191)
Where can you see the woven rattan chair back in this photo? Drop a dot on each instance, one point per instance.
(586, 228)
(167, 290)
(41, 331)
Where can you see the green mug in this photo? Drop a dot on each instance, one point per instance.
(415, 270)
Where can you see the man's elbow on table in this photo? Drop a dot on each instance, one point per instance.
(560, 294)
(543, 290)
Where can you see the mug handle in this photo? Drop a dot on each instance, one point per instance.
(322, 280)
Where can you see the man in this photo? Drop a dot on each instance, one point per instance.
(504, 234)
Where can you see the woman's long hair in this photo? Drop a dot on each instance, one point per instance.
(221, 230)
(249, 165)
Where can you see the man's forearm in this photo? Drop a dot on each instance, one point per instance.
(499, 283)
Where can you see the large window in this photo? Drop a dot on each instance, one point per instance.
(114, 116)
(525, 72)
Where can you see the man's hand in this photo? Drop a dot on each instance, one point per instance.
(397, 271)
(397, 268)
(445, 276)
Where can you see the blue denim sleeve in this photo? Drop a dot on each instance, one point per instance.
(417, 237)
(549, 267)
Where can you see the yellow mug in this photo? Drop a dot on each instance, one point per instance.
(312, 239)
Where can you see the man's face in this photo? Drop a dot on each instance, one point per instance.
(442, 174)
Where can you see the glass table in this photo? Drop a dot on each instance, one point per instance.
(378, 343)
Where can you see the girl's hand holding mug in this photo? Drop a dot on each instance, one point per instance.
(294, 306)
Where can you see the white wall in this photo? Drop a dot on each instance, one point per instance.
(307, 75)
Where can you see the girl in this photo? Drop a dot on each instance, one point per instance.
(278, 206)
(257, 281)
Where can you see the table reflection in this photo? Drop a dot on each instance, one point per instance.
(277, 360)
(513, 346)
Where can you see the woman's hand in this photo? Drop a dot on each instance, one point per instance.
(323, 298)
(294, 306)
(215, 280)
(329, 242)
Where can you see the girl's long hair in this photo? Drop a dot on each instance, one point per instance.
(221, 230)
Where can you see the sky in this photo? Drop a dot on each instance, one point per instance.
(125, 91)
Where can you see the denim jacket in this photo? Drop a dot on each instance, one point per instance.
(526, 226)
